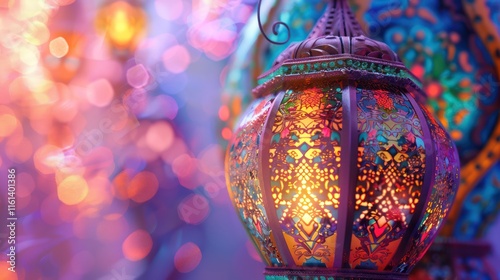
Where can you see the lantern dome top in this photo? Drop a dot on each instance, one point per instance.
(338, 32)
(336, 45)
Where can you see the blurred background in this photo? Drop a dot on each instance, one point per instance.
(115, 115)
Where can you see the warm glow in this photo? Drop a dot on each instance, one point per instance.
(121, 30)
(58, 47)
(143, 187)
(29, 55)
(37, 33)
(47, 159)
(120, 184)
(122, 23)
(72, 190)
(5, 273)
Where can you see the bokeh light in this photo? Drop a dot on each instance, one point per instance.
(187, 257)
(160, 136)
(137, 245)
(62, 2)
(176, 59)
(194, 209)
(137, 76)
(59, 47)
(72, 190)
(100, 93)
(169, 9)
(9, 124)
(143, 187)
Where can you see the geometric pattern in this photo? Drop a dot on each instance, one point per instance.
(243, 182)
(304, 162)
(390, 175)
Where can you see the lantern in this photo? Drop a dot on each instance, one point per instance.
(123, 25)
(337, 169)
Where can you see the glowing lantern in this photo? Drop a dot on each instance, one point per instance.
(122, 24)
(337, 169)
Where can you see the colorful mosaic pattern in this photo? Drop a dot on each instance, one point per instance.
(304, 162)
(243, 180)
(390, 177)
(483, 21)
(437, 43)
(480, 206)
(446, 176)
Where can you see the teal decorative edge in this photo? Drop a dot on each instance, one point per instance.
(338, 64)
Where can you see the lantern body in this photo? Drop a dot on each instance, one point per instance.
(336, 169)
(341, 168)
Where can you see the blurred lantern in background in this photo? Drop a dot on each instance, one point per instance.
(337, 169)
(122, 24)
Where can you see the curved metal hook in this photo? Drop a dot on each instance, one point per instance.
(276, 26)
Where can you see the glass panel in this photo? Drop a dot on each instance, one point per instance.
(304, 162)
(446, 176)
(391, 162)
(243, 182)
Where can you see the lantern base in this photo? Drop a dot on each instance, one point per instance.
(276, 273)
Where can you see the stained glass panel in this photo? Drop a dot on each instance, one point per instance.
(446, 177)
(304, 162)
(243, 179)
(390, 177)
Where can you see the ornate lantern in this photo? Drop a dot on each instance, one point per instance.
(337, 169)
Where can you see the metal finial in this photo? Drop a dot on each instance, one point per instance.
(338, 20)
(276, 26)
